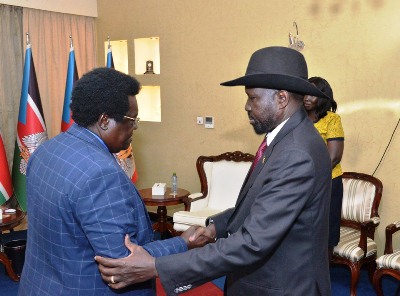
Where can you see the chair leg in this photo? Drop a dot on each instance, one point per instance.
(355, 276)
(377, 283)
(7, 264)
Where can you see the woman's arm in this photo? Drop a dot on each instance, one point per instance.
(335, 149)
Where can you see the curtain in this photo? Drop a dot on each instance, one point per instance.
(11, 61)
(49, 34)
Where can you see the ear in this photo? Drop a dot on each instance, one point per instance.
(103, 121)
(283, 99)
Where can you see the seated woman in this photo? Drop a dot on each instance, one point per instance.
(322, 112)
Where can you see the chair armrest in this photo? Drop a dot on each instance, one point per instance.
(196, 196)
(376, 220)
(367, 229)
(370, 228)
(191, 198)
(390, 229)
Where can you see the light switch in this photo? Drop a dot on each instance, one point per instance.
(199, 120)
(209, 122)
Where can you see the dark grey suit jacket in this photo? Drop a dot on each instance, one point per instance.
(274, 242)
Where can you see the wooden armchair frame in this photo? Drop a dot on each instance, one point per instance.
(367, 230)
(223, 174)
(380, 272)
(236, 156)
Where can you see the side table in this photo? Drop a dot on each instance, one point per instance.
(162, 201)
(8, 222)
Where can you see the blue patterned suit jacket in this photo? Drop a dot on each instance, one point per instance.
(81, 204)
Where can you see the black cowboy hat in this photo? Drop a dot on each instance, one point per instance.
(279, 68)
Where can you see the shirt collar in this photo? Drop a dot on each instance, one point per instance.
(100, 139)
(271, 135)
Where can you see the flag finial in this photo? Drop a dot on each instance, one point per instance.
(28, 42)
(71, 44)
(108, 39)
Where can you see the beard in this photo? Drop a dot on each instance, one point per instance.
(262, 127)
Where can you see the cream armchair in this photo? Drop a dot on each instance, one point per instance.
(221, 178)
(361, 198)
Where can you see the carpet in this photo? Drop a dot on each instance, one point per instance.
(340, 282)
(340, 278)
(208, 289)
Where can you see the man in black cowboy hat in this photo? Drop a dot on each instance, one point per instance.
(274, 241)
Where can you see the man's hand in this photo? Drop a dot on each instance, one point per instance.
(138, 267)
(199, 236)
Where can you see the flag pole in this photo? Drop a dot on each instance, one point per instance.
(110, 60)
(72, 77)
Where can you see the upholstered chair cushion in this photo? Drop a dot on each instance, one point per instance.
(391, 261)
(226, 180)
(184, 219)
(354, 207)
(348, 245)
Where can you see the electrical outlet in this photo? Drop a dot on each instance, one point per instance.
(199, 120)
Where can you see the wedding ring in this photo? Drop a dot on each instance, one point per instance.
(112, 280)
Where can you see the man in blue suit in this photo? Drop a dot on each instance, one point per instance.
(274, 241)
(80, 202)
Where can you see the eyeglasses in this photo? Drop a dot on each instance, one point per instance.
(135, 120)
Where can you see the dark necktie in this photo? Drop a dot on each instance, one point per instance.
(259, 153)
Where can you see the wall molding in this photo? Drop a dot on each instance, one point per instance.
(77, 7)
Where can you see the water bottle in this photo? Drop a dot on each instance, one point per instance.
(174, 183)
